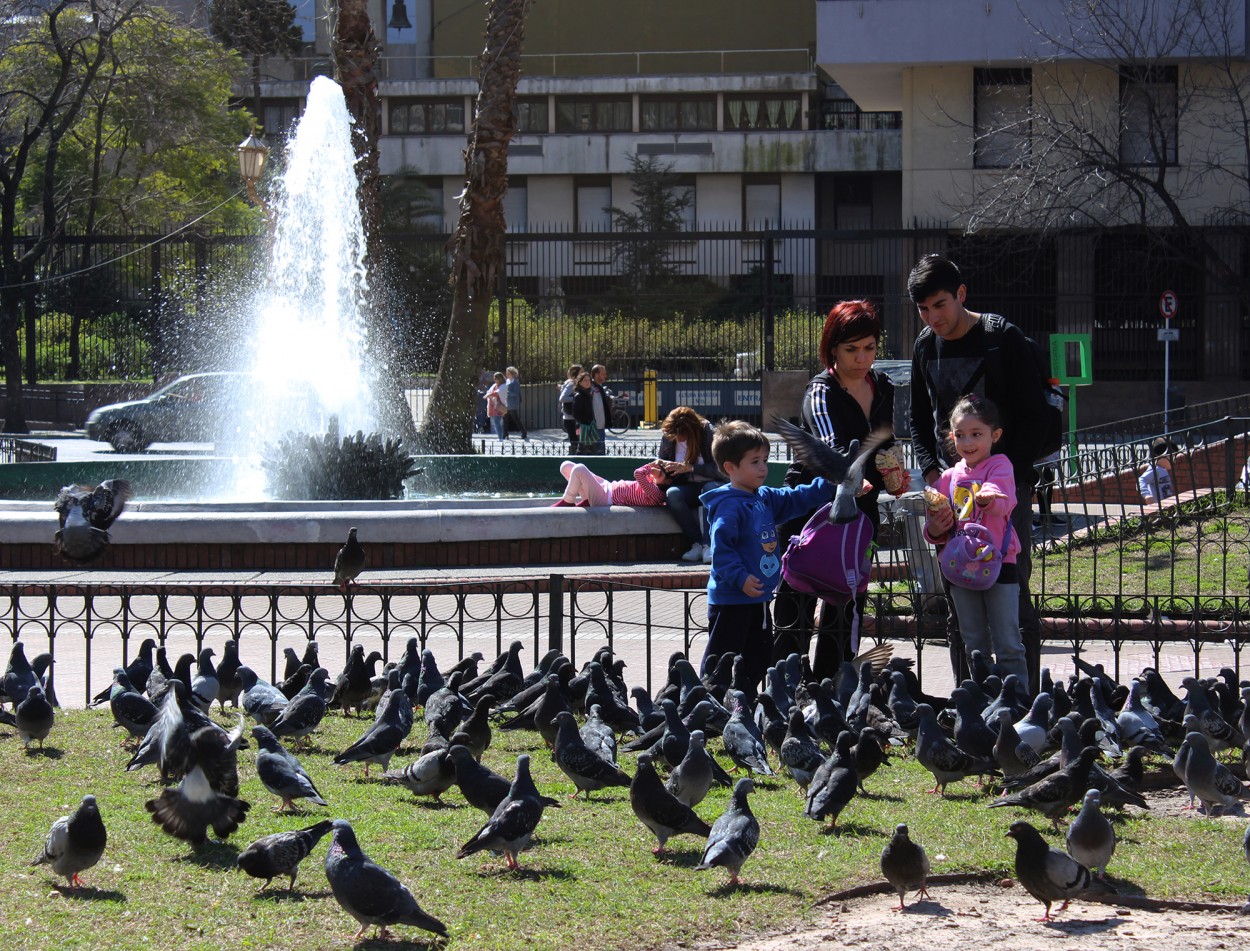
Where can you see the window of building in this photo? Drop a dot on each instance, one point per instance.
(1002, 99)
(279, 115)
(531, 115)
(683, 188)
(593, 197)
(688, 114)
(425, 204)
(779, 111)
(1148, 115)
(594, 115)
(761, 202)
(516, 204)
(427, 116)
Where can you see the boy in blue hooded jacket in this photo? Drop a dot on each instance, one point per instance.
(746, 562)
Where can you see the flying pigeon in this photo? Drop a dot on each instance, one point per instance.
(905, 864)
(280, 772)
(349, 562)
(512, 824)
(368, 892)
(659, 810)
(1091, 840)
(734, 834)
(74, 843)
(1047, 873)
(280, 853)
(846, 471)
(84, 515)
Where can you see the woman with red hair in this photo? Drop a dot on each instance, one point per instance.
(845, 401)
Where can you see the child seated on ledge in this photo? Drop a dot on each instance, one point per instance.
(1155, 481)
(587, 489)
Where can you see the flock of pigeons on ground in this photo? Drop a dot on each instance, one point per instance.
(829, 737)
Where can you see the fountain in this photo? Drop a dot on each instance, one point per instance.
(309, 332)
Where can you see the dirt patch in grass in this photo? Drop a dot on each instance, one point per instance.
(1004, 918)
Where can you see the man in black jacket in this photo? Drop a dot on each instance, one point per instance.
(960, 352)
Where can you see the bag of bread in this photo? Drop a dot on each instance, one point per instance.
(934, 500)
(889, 462)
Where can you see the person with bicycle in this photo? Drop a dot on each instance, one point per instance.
(686, 457)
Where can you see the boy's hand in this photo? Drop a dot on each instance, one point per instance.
(864, 489)
(752, 587)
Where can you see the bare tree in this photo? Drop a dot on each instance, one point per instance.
(478, 242)
(1139, 115)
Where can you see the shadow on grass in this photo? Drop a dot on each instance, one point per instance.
(394, 942)
(51, 752)
(219, 855)
(530, 873)
(881, 797)
(275, 896)
(89, 893)
(683, 858)
(854, 828)
(753, 888)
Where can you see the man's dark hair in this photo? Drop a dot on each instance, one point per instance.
(932, 275)
(733, 440)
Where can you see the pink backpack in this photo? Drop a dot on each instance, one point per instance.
(970, 559)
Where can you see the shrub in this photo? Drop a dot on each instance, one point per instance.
(309, 466)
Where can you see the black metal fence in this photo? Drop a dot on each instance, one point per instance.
(701, 304)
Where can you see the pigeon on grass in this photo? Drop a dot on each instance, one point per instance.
(481, 786)
(280, 853)
(659, 810)
(34, 717)
(1048, 874)
(734, 835)
(368, 892)
(511, 826)
(84, 516)
(1091, 839)
(579, 763)
(905, 865)
(281, 773)
(74, 843)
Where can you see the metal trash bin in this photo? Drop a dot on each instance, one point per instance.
(921, 556)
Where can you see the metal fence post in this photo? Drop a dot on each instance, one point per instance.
(555, 613)
(770, 317)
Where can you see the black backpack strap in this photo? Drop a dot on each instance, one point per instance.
(995, 325)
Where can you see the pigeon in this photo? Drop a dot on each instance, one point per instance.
(846, 471)
(734, 835)
(19, 676)
(353, 685)
(1219, 732)
(598, 736)
(946, 761)
(349, 562)
(583, 766)
(137, 672)
(1207, 778)
(262, 701)
(368, 892)
(229, 684)
(799, 751)
(306, 709)
(905, 864)
(1131, 773)
(380, 741)
(205, 684)
(692, 778)
(481, 786)
(833, 784)
(1091, 840)
(431, 774)
(1137, 726)
(131, 710)
(1011, 753)
(34, 717)
(972, 733)
(477, 727)
(281, 773)
(868, 754)
(446, 708)
(503, 683)
(84, 516)
(290, 686)
(1058, 792)
(511, 826)
(1033, 728)
(1047, 873)
(659, 810)
(168, 741)
(280, 853)
(74, 843)
(742, 739)
(187, 810)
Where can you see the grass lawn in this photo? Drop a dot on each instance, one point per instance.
(590, 881)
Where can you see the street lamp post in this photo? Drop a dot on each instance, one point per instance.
(253, 154)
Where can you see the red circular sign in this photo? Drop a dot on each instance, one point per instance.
(1168, 305)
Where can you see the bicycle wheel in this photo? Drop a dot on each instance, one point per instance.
(620, 422)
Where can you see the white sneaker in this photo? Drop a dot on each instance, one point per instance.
(695, 553)
(707, 554)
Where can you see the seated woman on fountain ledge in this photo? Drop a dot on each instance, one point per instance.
(586, 489)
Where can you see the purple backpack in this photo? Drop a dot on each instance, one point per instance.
(832, 560)
(970, 559)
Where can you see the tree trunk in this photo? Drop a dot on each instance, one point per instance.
(355, 51)
(478, 244)
(10, 320)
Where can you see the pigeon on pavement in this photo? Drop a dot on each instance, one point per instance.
(84, 516)
(658, 809)
(1047, 873)
(511, 826)
(280, 853)
(280, 772)
(74, 843)
(368, 892)
(905, 864)
(734, 835)
(349, 562)
(1091, 840)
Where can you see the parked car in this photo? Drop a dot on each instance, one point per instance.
(221, 408)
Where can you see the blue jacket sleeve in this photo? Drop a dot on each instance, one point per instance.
(791, 503)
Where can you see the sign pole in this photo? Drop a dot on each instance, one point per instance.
(1167, 310)
(1167, 373)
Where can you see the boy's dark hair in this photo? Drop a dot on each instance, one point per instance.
(734, 439)
(1161, 446)
(932, 275)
